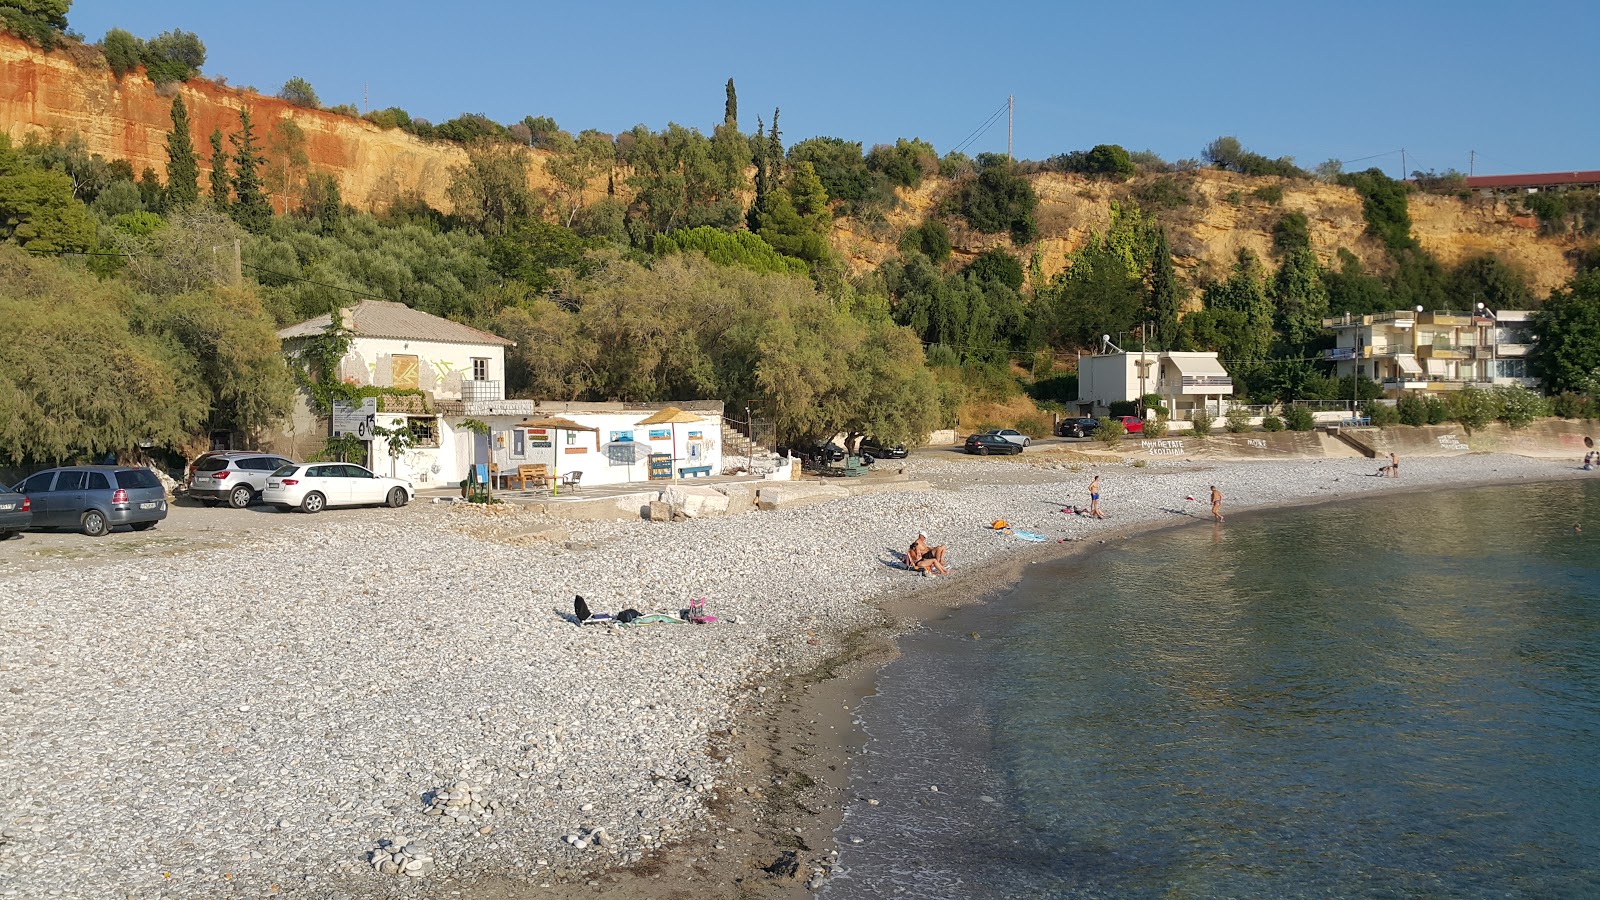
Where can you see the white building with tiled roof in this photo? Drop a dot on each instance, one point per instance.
(404, 349)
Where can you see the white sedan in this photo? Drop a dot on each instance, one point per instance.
(1012, 435)
(316, 486)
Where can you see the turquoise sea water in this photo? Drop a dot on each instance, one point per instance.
(1393, 697)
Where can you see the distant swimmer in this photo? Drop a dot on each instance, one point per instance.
(1216, 504)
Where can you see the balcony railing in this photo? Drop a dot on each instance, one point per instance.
(482, 390)
(1207, 381)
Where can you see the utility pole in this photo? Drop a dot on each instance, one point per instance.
(1472, 162)
(1402, 164)
(1011, 117)
(366, 102)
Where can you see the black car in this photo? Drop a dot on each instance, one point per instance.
(16, 512)
(985, 444)
(1081, 427)
(879, 450)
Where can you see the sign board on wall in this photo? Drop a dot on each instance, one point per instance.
(355, 421)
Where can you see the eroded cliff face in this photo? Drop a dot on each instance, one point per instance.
(1223, 217)
(61, 94)
(56, 95)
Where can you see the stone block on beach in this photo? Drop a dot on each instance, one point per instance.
(790, 496)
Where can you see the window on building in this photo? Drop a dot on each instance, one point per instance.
(425, 433)
(480, 368)
(519, 443)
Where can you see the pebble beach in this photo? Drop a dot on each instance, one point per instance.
(398, 703)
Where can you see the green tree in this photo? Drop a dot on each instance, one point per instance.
(56, 402)
(905, 163)
(39, 22)
(250, 208)
(795, 219)
(1488, 280)
(1300, 297)
(221, 184)
(999, 199)
(737, 249)
(1245, 293)
(1352, 290)
(123, 51)
(931, 239)
(1383, 203)
(1567, 326)
(491, 190)
(841, 168)
(1168, 295)
(730, 108)
(183, 165)
(38, 210)
(299, 92)
(172, 56)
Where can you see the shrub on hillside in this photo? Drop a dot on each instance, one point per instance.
(1271, 423)
(1573, 406)
(123, 51)
(1032, 425)
(1380, 414)
(1299, 418)
(1412, 409)
(1238, 420)
(1202, 422)
(1519, 406)
(1111, 432)
(1271, 193)
(931, 239)
(1438, 411)
(1473, 408)
(173, 56)
(299, 91)
(1156, 428)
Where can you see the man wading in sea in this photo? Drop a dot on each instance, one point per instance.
(1094, 499)
(1216, 504)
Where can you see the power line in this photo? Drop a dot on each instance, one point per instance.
(978, 132)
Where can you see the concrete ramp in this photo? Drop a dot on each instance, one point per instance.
(1352, 438)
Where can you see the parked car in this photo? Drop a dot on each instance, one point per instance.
(1012, 435)
(315, 486)
(236, 476)
(95, 499)
(1133, 424)
(1079, 427)
(16, 512)
(875, 449)
(985, 444)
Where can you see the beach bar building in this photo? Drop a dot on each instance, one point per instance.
(617, 450)
(1186, 382)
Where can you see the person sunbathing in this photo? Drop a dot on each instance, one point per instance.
(921, 557)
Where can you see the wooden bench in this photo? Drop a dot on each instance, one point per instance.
(688, 471)
(538, 473)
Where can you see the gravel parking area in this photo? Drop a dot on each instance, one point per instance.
(221, 707)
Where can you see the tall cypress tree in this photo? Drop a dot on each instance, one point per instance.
(775, 152)
(250, 209)
(183, 165)
(730, 109)
(1167, 294)
(758, 147)
(221, 185)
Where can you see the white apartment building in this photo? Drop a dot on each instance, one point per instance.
(1413, 350)
(1185, 381)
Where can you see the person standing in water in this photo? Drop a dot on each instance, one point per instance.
(1394, 465)
(1094, 499)
(1216, 504)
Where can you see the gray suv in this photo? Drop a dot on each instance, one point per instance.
(236, 476)
(95, 499)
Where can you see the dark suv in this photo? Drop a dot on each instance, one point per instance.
(237, 476)
(95, 499)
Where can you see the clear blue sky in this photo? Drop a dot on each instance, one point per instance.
(1515, 82)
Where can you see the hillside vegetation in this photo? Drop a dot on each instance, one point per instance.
(830, 286)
